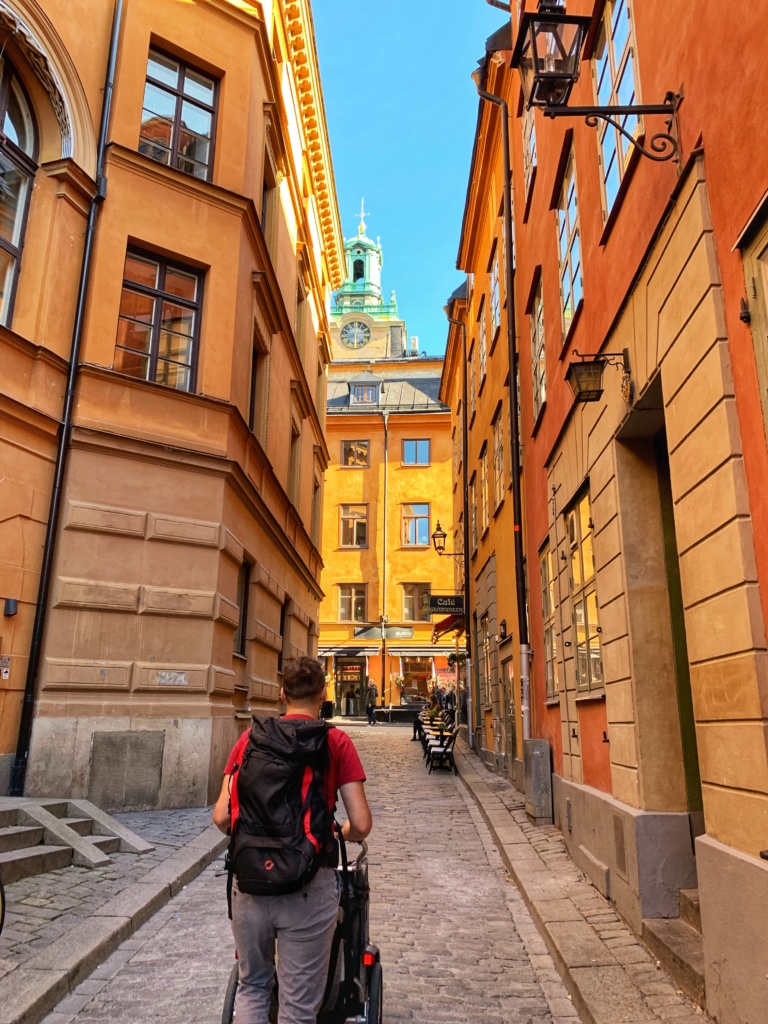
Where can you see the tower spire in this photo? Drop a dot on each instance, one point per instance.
(363, 215)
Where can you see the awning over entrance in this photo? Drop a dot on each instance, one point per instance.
(450, 624)
(347, 652)
(418, 652)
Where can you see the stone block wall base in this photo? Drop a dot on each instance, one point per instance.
(639, 859)
(6, 764)
(733, 888)
(130, 763)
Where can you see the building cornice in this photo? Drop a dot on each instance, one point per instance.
(300, 35)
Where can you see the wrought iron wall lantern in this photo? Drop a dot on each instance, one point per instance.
(547, 55)
(438, 540)
(586, 376)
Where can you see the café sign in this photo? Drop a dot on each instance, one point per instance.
(446, 604)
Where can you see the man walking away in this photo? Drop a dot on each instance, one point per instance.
(371, 696)
(301, 919)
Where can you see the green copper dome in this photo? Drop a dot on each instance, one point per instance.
(362, 287)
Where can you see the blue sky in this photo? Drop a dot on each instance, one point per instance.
(401, 110)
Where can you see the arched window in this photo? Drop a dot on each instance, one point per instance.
(18, 153)
(358, 270)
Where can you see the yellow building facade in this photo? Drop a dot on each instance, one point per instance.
(388, 486)
(184, 566)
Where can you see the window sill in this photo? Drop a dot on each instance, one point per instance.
(571, 327)
(496, 335)
(552, 702)
(240, 657)
(587, 698)
(498, 509)
(613, 213)
(415, 547)
(529, 194)
(539, 418)
(482, 384)
(472, 418)
(352, 547)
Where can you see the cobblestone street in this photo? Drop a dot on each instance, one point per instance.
(458, 944)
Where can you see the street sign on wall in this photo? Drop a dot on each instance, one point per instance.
(446, 604)
(392, 632)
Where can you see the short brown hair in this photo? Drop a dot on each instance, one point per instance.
(303, 678)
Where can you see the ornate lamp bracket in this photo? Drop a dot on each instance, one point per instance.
(662, 146)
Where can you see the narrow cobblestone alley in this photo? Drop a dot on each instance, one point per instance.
(458, 945)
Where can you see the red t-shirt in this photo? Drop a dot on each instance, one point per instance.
(344, 765)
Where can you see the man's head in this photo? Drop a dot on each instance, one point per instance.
(303, 681)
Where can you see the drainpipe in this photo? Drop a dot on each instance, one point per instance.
(19, 770)
(465, 527)
(514, 455)
(385, 419)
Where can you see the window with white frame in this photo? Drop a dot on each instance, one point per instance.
(547, 566)
(416, 525)
(482, 345)
(538, 353)
(494, 295)
(416, 452)
(365, 393)
(569, 247)
(472, 383)
(416, 602)
(614, 74)
(352, 602)
(355, 454)
(484, 488)
(586, 626)
(529, 148)
(473, 512)
(353, 526)
(498, 459)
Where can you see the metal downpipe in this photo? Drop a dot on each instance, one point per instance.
(19, 770)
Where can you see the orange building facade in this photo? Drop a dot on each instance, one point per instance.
(388, 487)
(185, 565)
(644, 508)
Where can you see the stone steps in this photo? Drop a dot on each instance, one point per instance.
(690, 908)
(679, 947)
(19, 837)
(42, 835)
(18, 864)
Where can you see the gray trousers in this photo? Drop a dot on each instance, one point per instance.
(302, 924)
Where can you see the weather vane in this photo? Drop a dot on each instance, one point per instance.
(363, 215)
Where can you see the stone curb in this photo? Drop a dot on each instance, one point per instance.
(599, 987)
(31, 991)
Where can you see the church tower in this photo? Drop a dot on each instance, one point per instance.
(363, 325)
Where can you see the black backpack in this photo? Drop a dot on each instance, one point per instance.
(284, 832)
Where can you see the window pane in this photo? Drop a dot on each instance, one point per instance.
(18, 121)
(163, 69)
(13, 187)
(181, 284)
(422, 536)
(173, 375)
(175, 346)
(194, 122)
(626, 90)
(179, 319)
(132, 363)
(423, 451)
(409, 451)
(7, 266)
(198, 87)
(620, 27)
(141, 270)
(158, 104)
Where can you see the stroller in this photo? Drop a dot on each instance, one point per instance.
(353, 992)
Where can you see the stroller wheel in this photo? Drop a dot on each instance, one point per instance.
(375, 1007)
(228, 1013)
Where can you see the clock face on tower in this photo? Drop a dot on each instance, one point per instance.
(355, 334)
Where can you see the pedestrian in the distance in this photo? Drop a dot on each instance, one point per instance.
(299, 913)
(371, 696)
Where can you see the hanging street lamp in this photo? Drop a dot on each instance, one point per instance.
(547, 55)
(586, 376)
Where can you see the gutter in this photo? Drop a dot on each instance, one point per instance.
(19, 770)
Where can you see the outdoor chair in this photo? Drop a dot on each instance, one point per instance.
(440, 755)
